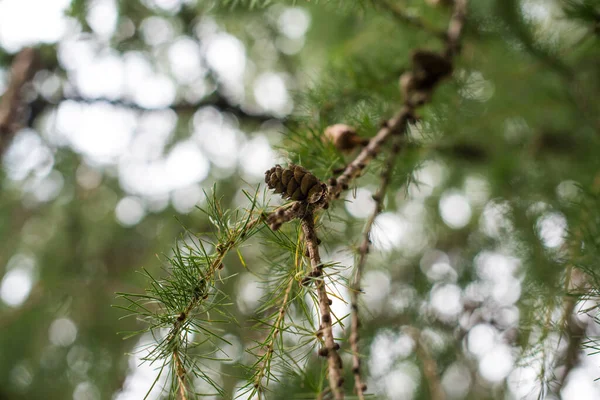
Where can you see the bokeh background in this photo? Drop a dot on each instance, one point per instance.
(138, 110)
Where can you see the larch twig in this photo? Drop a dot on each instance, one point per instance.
(335, 369)
(21, 71)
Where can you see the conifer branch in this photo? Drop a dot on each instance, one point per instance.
(576, 281)
(21, 70)
(177, 300)
(181, 373)
(274, 334)
(398, 125)
(430, 368)
(215, 100)
(335, 369)
(359, 386)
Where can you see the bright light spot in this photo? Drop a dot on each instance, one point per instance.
(27, 154)
(142, 374)
(524, 382)
(456, 381)
(481, 339)
(360, 204)
(256, 157)
(568, 191)
(455, 210)
(249, 293)
(446, 301)
(552, 228)
(226, 55)
(496, 364)
(294, 22)
(16, 285)
(515, 129)
(102, 17)
(581, 385)
(477, 190)
(27, 22)
(153, 132)
(157, 202)
(495, 220)
(129, 211)
(184, 200)
(386, 348)
(185, 60)
(46, 189)
(157, 91)
(289, 46)
(102, 77)
(477, 88)
(80, 359)
(100, 131)
(62, 332)
(186, 164)
(507, 291)
(21, 375)
(436, 265)
(165, 5)
(76, 52)
(388, 231)
(401, 383)
(402, 296)
(376, 286)
(86, 391)
(156, 30)
(220, 140)
(537, 10)
(495, 266)
(426, 179)
(271, 94)
(232, 351)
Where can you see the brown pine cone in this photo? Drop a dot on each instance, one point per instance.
(344, 137)
(295, 183)
(429, 68)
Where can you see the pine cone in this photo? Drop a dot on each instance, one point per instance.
(295, 183)
(429, 68)
(344, 137)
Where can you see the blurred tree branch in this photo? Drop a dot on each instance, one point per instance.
(216, 100)
(21, 71)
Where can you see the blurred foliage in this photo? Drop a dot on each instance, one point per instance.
(511, 142)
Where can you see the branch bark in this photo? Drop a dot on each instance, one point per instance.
(21, 72)
(398, 127)
(334, 360)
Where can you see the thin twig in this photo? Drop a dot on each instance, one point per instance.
(397, 125)
(21, 70)
(271, 343)
(197, 299)
(421, 81)
(576, 282)
(216, 100)
(334, 360)
(430, 368)
(180, 373)
(359, 386)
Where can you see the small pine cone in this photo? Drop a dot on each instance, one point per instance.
(343, 137)
(429, 68)
(295, 183)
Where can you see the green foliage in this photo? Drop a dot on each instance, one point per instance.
(231, 310)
